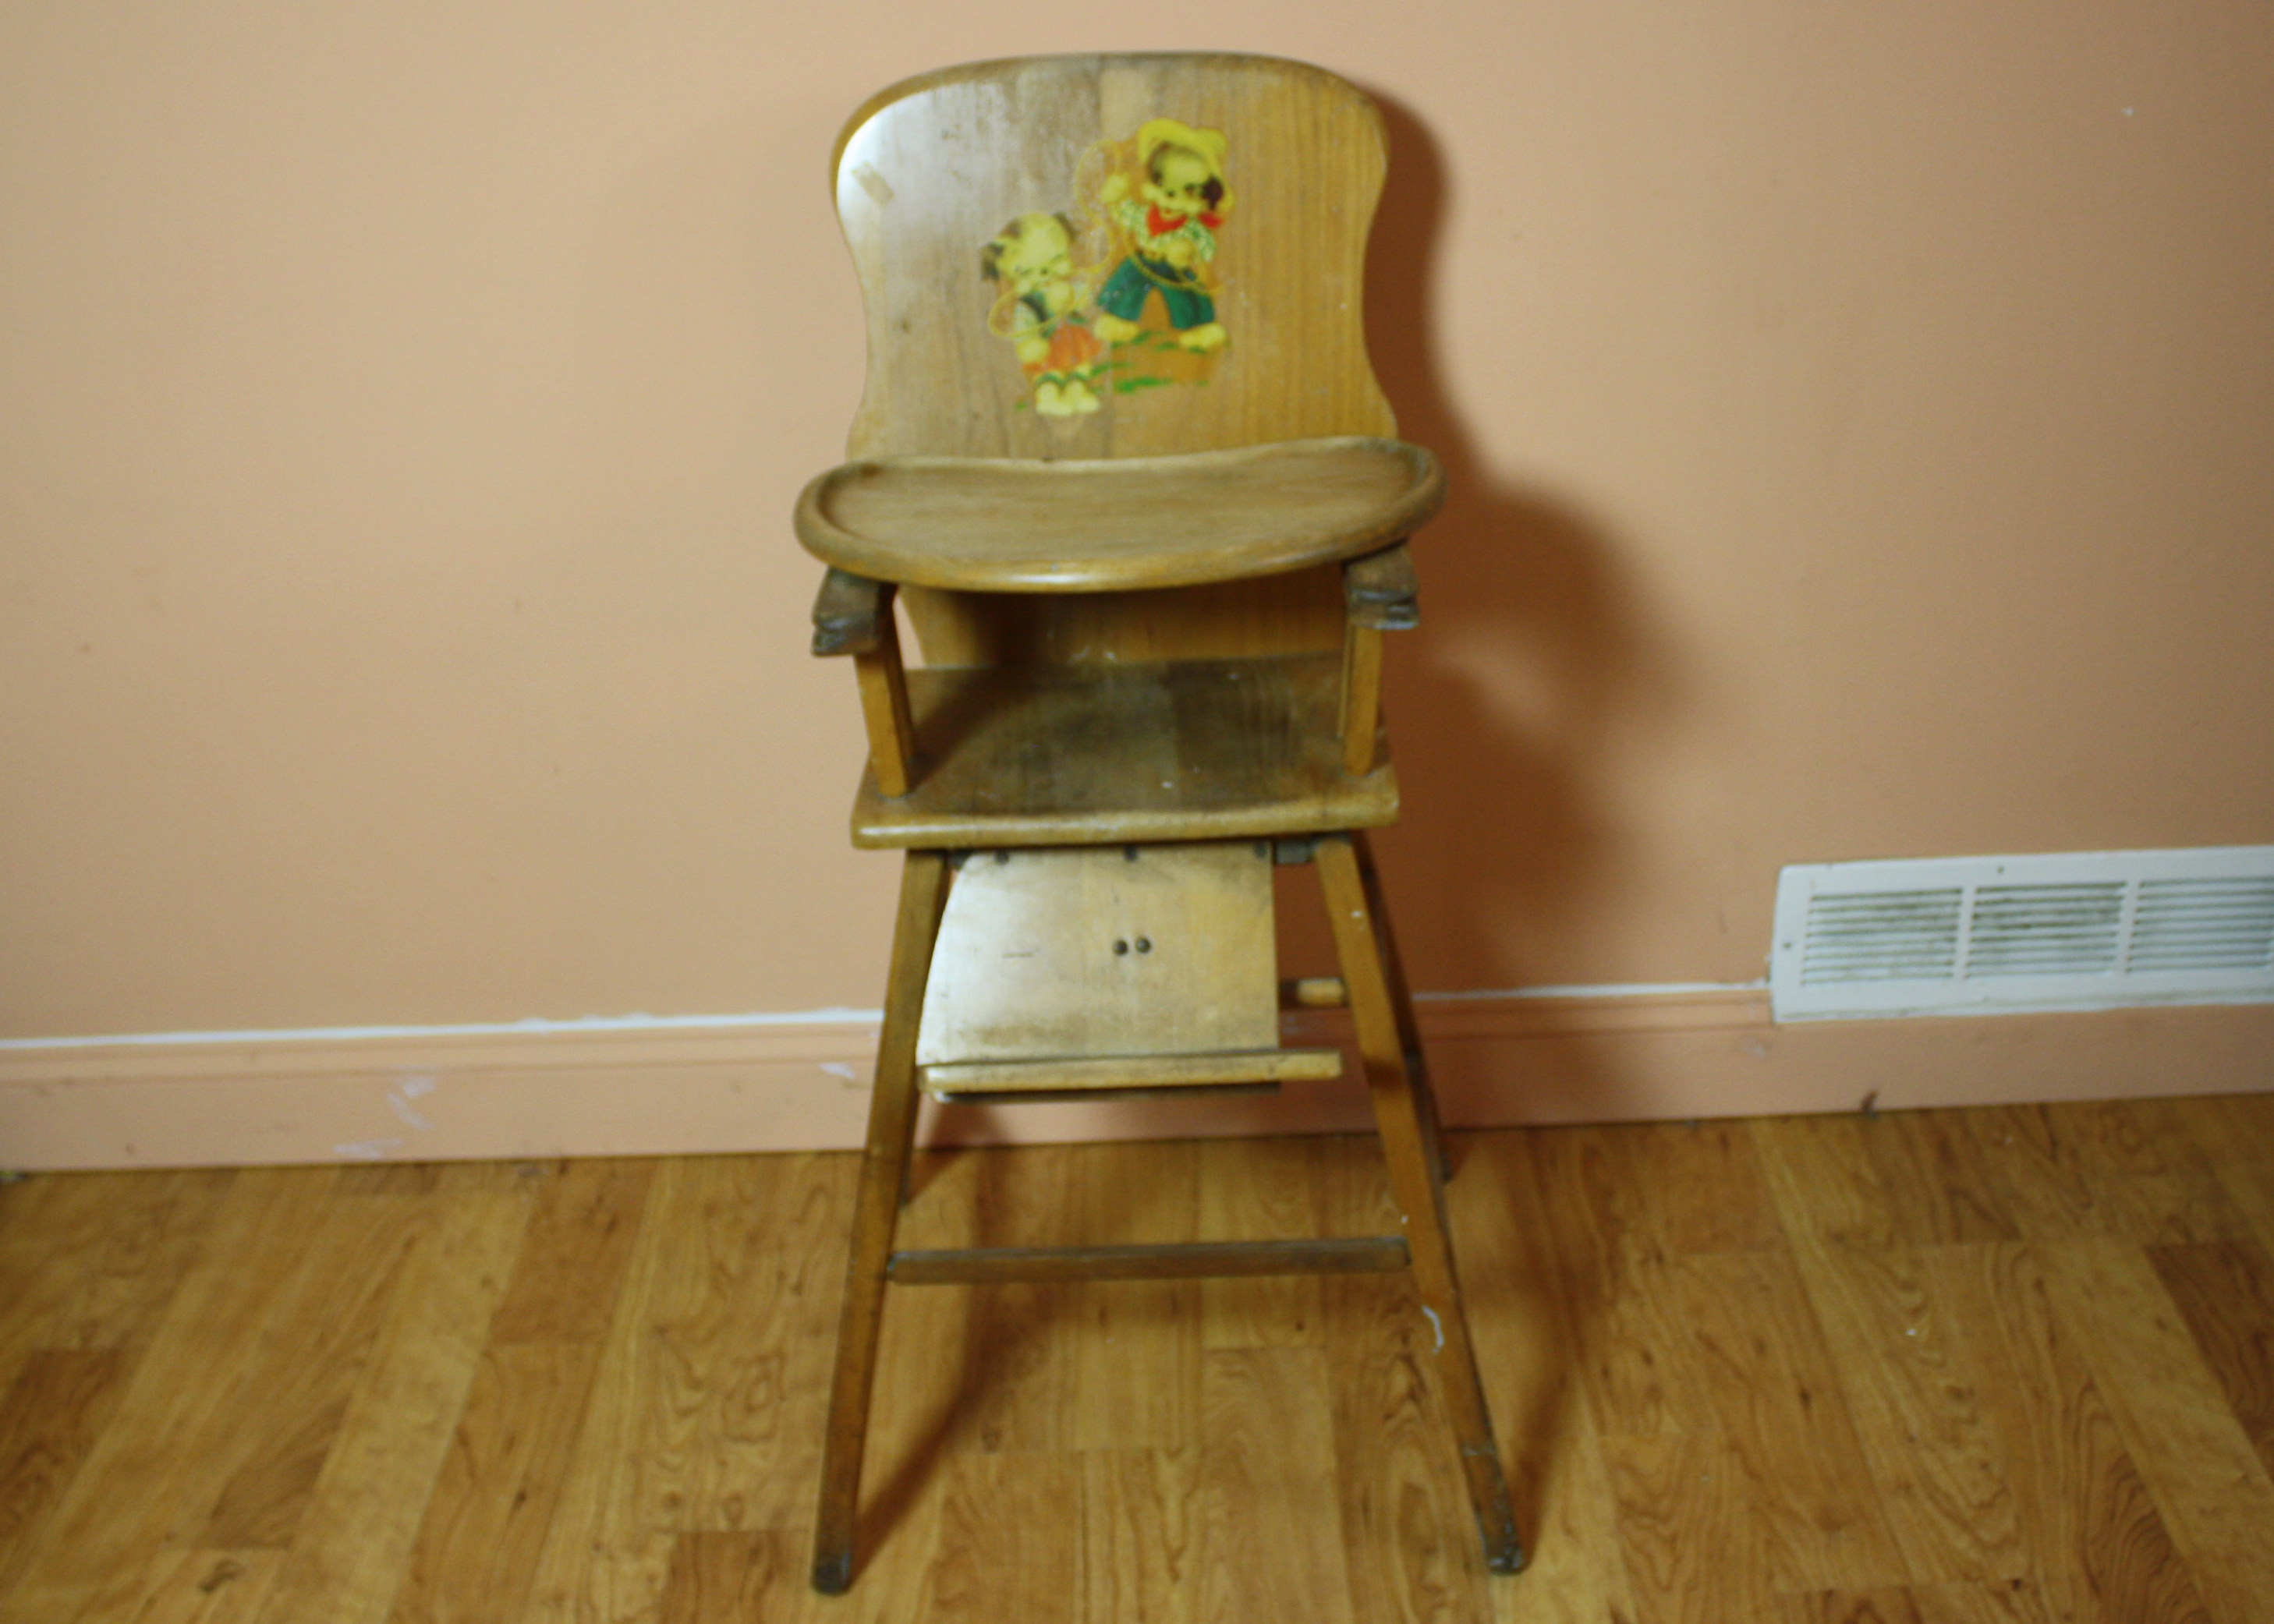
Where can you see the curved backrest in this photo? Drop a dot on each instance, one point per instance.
(1110, 256)
(957, 191)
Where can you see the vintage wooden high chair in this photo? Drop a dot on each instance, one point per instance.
(1122, 458)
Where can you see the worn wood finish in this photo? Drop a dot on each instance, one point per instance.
(1305, 162)
(1088, 755)
(1382, 591)
(1416, 1179)
(1111, 953)
(849, 612)
(1002, 524)
(884, 1176)
(1181, 1261)
(1358, 723)
(1183, 446)
(1066, 1075)
(646, 1451)
(883, 679)
(1382, 596)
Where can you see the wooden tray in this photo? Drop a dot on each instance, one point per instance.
(991, 524)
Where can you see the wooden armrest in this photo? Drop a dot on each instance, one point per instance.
(847, 612)
(853, 615)
(1380, 590)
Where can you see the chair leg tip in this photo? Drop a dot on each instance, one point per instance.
(832, 1574)
(1508, 1560)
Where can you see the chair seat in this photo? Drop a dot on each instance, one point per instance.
(1002, 524)
(1100, 754)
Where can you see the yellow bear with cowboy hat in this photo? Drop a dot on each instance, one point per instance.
(1182, 201)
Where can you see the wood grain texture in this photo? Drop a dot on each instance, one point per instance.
(1304, 159)
(1268, 1483)
(734, 1577)
(181, 1428)
(1077, 1452)
(1109, 954)
(2093, 1534)
(1004, 524)
(477, 1549)
(1107, 754)
(2224, 1291)
(1270, 1196)
(573, 1261)
(2214, 1492)
(1789, 1426)
(50, 1416)
(352, 1544)
(203, 1586)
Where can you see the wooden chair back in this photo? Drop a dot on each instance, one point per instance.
(999, 213)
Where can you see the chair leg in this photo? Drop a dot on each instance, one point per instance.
(1401, 998)
(1405, 1124)
(884, 1172)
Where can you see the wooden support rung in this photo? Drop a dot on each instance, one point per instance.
(1370, 1254)
(1078, 1073)
(1314, 992)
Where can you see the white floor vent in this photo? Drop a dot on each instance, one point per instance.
(1984, 934)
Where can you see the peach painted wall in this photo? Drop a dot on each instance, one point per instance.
(1862, 423)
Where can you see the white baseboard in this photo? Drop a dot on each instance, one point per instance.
(641, 1088)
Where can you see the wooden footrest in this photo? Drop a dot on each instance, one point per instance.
(1367, 1254)
(1079, 1074)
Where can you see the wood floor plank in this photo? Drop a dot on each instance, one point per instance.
(151, 1236)
(1854, 1210)
(580, 1236)
(1014, 1367)
(475, 1557)
(2011, 1601)
(1636, 1358)
(2198, 1464)
(1776, 1392)
(2235, 1132)
(1705, 1184)
(738, 1576)
(151, 1479)
(2224, 1291)
(1410, 1536)
(733, 1369)
(1137, 1343)
(1936, 1460)
(1272, 1550)
(2125, 1168)
(1694, 1552)
(1902, 1178)
(1009, 1541)
(1260, 1190)
(1408, 1533)
(59, 1250)
(50, 1416)
(349, 1550)
(1141, 1555)
(2092, 1532)
(293, 1395)
(204, 1586)
(1527, 1354)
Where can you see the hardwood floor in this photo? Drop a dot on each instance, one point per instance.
(1944, 1367)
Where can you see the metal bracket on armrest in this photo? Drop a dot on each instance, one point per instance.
(1381, 591)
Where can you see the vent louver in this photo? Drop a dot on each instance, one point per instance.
(2059, 931)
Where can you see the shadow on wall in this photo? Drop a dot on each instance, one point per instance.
(1530, 657)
